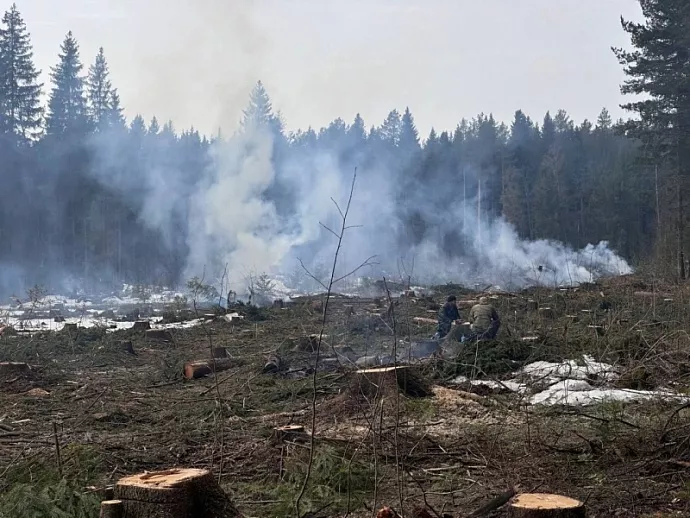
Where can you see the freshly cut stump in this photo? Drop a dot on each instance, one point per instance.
(542, 505)
(289, 433)
(175, 493)
(384, 381)
(112, 509)
(200, 368)
(126, 346)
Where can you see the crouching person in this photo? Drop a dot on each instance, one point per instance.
(484, 320)
(446, 316)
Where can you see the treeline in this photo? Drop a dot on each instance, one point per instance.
(90, 196)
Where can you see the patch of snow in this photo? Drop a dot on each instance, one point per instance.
(582, 394)
(570, 369)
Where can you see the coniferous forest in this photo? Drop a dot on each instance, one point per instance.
(71, 204)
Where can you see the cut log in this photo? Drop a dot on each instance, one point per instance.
(220, 352)
(542, 505)
(423, 320)
(141, 325)
(176, 493)
(112, 509)
(384, 381)
(273, 364)
(126, 346)
(159, 334)
(200, 368)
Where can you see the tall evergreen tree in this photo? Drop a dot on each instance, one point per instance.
(20, 91)
(409, 136)
(67, 108)
(259, 112)
(659, 69)
(99, 92)
(391, 127)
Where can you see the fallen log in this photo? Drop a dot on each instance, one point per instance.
(175, 493)
(200, 368)
(423, 320)
(273, 364)
(542, 505)
(112, 509)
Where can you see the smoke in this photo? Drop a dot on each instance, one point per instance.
(233, 223)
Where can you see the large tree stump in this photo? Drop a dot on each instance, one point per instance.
(9, 369)
(200, 368)
(112, 509)
(384, 381)
(220, 352)
(542, 505)
(127, 347)
(175, 493)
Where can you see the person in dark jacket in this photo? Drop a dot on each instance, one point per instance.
(446, 316)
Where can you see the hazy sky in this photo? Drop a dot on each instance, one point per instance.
(194, 61)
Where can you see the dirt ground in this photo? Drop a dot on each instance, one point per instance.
(110, 414)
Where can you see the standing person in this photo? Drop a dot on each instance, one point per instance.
(446, 316)
(484, 320)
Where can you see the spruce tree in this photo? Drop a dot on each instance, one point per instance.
(67, 109)
(409, 136)
(391, 127)
(659, 69)
(154, 127)
(259, 113)
(114, 117)
(99, 92)
(20, 91)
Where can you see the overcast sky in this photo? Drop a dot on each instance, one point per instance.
(194, 61)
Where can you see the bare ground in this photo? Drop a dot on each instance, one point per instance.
(450, 453)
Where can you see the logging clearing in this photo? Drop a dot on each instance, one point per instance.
(580, 403)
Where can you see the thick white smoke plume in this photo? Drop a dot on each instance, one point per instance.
(233, 223)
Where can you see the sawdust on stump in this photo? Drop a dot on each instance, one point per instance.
(175, 493)
(542, 505)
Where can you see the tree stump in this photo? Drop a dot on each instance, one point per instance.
(349, 310)
(278, 304)
(542, 505)
(141, 325)
(200, 368)
(220, 352)
(288, 433)
(13, 369)
(384, 381)
(70, 328)
(126, 346)
(159, 334)
(58, 319)
(317, 306)
(532, 305)
(112, 509)
(175, 493)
